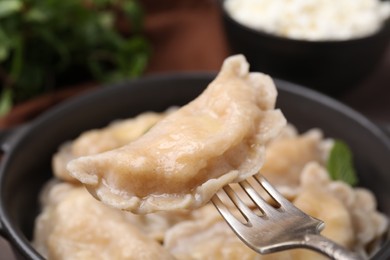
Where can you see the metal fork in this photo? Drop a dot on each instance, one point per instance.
(278, 228)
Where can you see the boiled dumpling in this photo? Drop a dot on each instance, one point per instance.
(207, 237)
(288, 154)
(115, 135)
(185, 158)
(73, 225)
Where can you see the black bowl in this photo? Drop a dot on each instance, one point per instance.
(26, 164)
(332, 67)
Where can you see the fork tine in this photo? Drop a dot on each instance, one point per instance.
(285, 228)
(279, 198)
(261, 203)
(248, 214)
(226, 214)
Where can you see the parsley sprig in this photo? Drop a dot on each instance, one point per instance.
(50, 43)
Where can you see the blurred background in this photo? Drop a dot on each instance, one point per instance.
(53, 50)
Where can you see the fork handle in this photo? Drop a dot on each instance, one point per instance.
(329, 248)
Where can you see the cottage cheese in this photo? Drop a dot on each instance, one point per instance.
(311, 19)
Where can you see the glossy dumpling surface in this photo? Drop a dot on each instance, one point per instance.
(116, 134)
(185, 158)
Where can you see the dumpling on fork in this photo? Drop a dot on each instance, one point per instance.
(94, 141)
(183, 160)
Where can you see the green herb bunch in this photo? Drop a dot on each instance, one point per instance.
(50, 43)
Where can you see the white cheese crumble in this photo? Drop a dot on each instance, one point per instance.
(311, 19)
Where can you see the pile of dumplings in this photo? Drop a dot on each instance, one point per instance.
(140, 187)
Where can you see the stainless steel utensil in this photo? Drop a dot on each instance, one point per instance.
(276, 228)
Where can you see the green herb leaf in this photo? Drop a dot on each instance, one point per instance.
(5, 101)
(35, 15)
(46, 44)
(135, 12)
(4, 52)
(4, 45)
(9, 7)
(340, 163)
(106, 20)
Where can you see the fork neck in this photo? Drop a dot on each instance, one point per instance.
(328, 248)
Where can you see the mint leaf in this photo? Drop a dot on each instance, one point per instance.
(340, 163)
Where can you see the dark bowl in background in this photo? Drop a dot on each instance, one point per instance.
(331, 67)
(26, 163)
